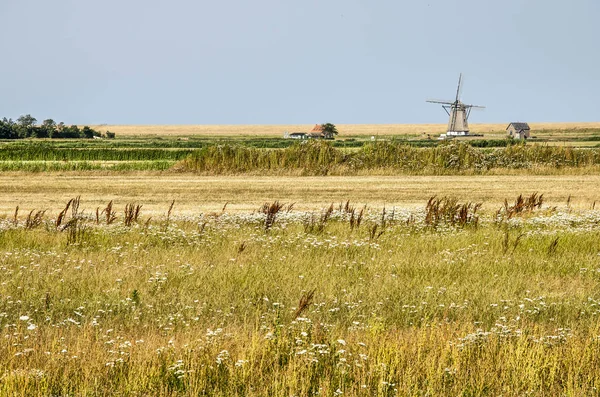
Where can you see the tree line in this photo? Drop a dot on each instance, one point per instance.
(26, 127)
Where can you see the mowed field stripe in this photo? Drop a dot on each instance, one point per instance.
(194, 194)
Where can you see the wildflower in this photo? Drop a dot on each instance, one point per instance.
(341, 342)
(31, 327)
(222, 357)
(24, 318)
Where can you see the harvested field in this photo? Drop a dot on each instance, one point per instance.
(197, 193)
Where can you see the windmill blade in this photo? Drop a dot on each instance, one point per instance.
(475, 106)
(459, 86)
(443, 102)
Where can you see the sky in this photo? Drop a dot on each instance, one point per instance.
(298, 62)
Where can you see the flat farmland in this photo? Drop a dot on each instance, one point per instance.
(348, 130)
(194, 194)
(253, 284)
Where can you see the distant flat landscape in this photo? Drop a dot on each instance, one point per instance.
(344, 129)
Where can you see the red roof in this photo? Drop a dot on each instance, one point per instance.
(317, 128)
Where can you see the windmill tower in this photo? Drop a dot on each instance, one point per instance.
(459, 113)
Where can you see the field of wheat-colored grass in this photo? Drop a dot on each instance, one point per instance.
(346, 130)
(246, 193)
(444, 301)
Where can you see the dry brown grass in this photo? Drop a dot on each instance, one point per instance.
(345, 129)
(194, 194)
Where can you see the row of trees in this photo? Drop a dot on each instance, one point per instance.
(26, 127)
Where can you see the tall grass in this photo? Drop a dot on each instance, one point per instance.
(47, 166)
(50, 153)
(232, 309)
(320, 158)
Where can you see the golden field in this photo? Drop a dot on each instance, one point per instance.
(194, 194)
(301, 305)
(344, 129)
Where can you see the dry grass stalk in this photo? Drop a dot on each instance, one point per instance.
(76, 231)
(202, 227)
(356, 220)
(62, 214)
(271, 211)
(449, 211)
(345, 207)
(506, 244)
(75, 206)
(109, 214)
(383, 219)
(375, 232)
(317, 225)
(305, 302)
(552, 247)
(171, 210)
(132, 213)
(34, 219)
(521, 206)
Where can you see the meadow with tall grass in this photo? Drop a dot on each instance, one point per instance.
(320, 158)
(277, 156)
(441, 299)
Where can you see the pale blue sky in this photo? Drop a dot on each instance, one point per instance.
(298, 62)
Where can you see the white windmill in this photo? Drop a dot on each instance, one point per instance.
(459, 113)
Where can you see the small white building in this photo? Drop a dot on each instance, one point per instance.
(519, 130)
(295, 135)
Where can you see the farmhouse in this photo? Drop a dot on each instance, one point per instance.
(318, 133)
(518, 130)
(295, 135)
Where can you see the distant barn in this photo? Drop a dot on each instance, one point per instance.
(519, 130)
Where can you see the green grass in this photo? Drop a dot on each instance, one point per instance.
(320, 158)
(208, 305)
(49, 153)
(240, 155)
(52, 166)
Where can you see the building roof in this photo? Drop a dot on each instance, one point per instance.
(519, 126)
(317, 128)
